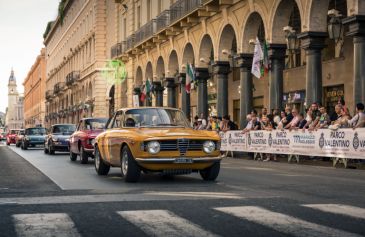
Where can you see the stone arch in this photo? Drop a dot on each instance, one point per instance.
(206, 51)
(139, 77)
(285, 13)
(254, 27)
(160, 69)
(188, 55)
(149, 71)
(227, 43)
(173, 65)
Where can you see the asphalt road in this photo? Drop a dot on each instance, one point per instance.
(43, 195)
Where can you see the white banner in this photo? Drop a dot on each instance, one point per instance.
(343, 143)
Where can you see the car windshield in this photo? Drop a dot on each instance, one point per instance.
(13, 131)
(65, 129)
(35, 131)
(95, 124)
(155, 117)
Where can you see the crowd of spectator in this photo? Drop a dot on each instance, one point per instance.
(315, 117)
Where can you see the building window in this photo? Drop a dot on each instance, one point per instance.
(124, 28)
(148, 10)
(138, 17)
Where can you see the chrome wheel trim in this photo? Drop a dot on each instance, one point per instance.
(125, 163)
(97, 159)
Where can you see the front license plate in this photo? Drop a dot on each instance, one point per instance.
(39, 145)
(183, 160)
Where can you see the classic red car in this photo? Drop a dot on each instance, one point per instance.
(11, 136)
(82, 140)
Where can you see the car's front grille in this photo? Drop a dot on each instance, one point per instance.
(181, 145)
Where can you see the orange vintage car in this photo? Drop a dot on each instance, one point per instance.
(156, 139)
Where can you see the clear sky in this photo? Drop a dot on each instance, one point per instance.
(22, 24)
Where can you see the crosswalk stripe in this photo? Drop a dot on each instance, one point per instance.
(163, 223)
(45, 225)
(352, 211)
(283, 223)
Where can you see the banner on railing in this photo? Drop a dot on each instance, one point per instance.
(342, 143)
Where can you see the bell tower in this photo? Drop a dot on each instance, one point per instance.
(12, 99)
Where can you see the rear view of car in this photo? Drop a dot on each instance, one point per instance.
(33, 137)
(10, 137)
(59, 138)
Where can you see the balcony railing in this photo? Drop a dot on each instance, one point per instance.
(118, 49)
(162, 20)
(183, 7)
(58, 87)
(146, 31)
(130, 42)
(72, 77)
(49, 94)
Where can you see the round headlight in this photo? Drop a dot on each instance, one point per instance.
(209, 146)
(153, 147)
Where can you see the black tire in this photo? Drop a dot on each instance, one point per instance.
(129, 167)
(17, 144)
(84, 157)
(46, 151)
(210, 173)
(7, 143)
(73, 156)
(101, 167)
(25, 146)
(50, 149)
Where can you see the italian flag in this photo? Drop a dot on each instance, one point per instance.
(190, 77)
(266, 63)
(146, 90)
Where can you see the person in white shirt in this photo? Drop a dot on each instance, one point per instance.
(358, 121)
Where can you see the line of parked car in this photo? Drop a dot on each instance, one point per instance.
(148, 139)
(75, 139)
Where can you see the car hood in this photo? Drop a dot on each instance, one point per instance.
(163, 133)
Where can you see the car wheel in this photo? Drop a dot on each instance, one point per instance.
(25, 146)
(7, 143)
(50, 149)
(100, 166)
(46, 151)
(73, 156)
(83, 156)
(17, 144)
(211, 173)
(130, 169)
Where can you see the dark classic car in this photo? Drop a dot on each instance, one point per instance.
(82, 140)
(10, 137)
(154, 139)
(33, 137)
(58, 138)
(19, 137)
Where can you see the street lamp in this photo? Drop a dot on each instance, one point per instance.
(334, 25)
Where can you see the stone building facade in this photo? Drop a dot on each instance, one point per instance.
(76, 55)
(14, 118)
(34, 89)
(214, 35)
(156, 39)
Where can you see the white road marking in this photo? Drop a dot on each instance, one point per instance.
(163, 223)
(147, 196)
(198, 194)
(352, 211)
(283, 223)
(51, 224)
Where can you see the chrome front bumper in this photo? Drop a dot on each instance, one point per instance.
(178, 160)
